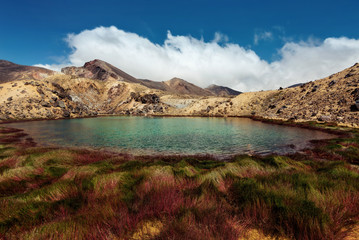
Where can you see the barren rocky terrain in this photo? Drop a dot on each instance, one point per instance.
(99, 88)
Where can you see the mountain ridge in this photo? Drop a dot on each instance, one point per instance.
(100, 89)
(101, 70)
(222, 91)
(10, 71)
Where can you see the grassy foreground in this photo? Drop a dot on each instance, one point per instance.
(56, 193)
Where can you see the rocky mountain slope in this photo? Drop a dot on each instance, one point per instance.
(62, 96)
(331, 99)
(99, 70)
(103, 71)
(99, 88)
(10, 71)
(222, 91)
(177, 86)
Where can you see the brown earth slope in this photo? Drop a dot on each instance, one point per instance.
(180, 86)
(10, 72)
(101, 70)
(222, 91)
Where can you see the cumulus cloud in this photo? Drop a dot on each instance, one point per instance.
(213, 62)
(54, 67)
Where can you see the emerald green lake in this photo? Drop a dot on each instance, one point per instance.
(172, 135)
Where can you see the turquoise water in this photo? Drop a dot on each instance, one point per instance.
(171, 135)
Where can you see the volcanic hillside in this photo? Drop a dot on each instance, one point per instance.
(222, 91)
(331, 99)
(101, 70)
(100, 88)
(10, 71)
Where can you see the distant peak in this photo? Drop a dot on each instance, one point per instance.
(176, 78)
(93, 62)
(222, 91)
(5, 62)
(2, 60)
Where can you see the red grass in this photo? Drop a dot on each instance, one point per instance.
(10, 162)
(343, 215)
(10, 130)
(16, 138)
(88, 157)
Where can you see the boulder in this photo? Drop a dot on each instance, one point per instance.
(39, 90)
(147, 98)
(332, 83)
(355, 93)
(280, 110)
(150, 98)
(76, 110)
(355, 106)
(272, 106)
(61, 92)
(45, 104)
(158, 108)
(66, 113)
(324, 118)
(61, 104)
(350, 74)
(315, 88)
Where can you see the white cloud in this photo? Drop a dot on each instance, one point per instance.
(54, 67)
(217, 61)
(262, 36)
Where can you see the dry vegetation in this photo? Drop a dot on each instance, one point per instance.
(56, 193)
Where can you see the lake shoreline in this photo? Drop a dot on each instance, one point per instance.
(312, 125)
(337, 133)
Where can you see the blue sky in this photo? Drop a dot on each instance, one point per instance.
(33, 31)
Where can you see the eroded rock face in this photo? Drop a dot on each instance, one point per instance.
(147, 98)
(39, 100)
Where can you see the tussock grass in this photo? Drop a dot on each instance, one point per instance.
(54, 193)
